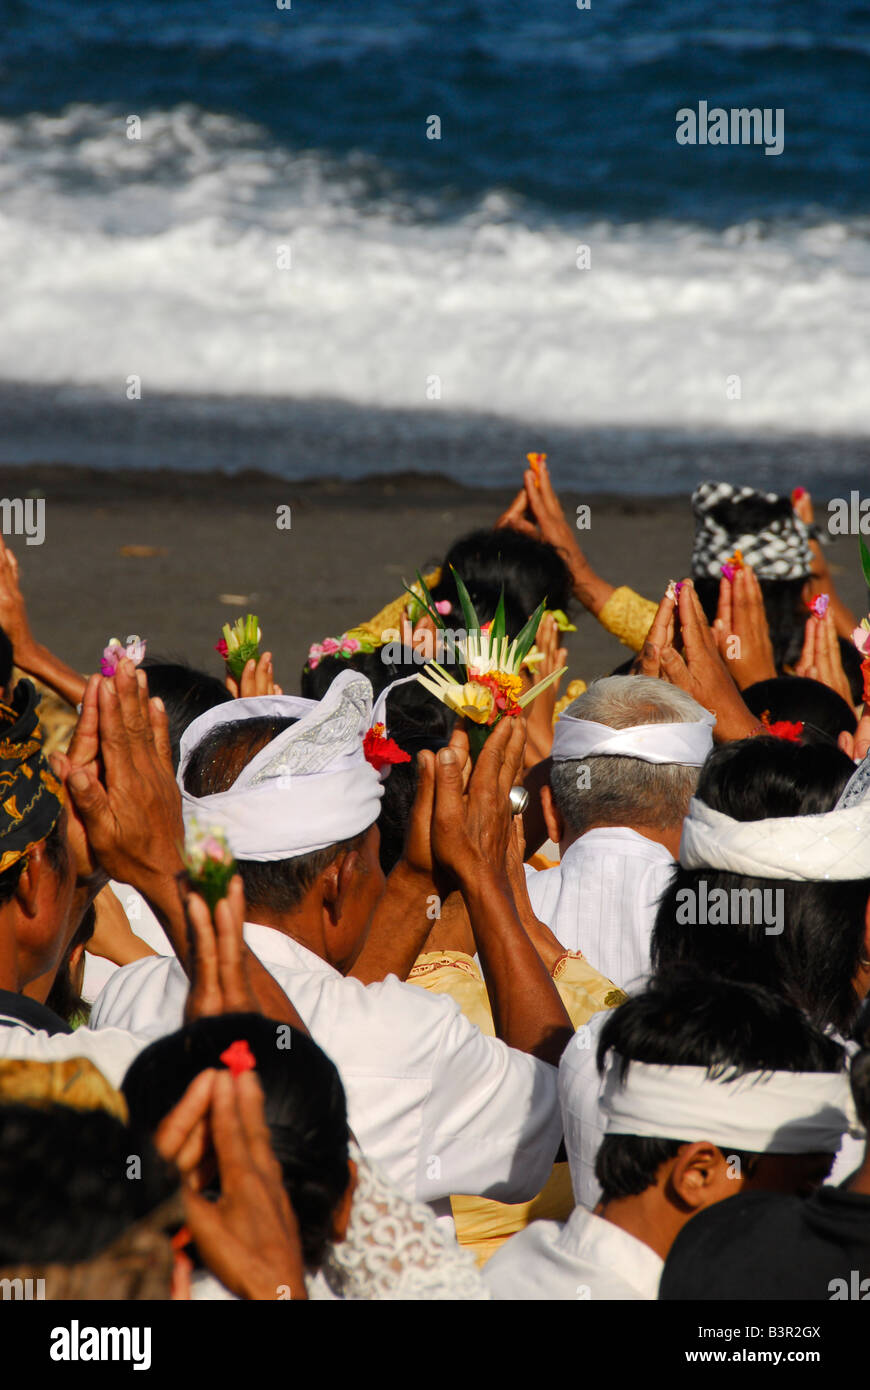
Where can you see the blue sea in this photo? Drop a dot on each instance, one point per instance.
(295, 277)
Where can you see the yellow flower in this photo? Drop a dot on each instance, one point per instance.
(473, 701)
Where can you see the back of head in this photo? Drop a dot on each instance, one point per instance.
(214, 765)
(812, 955)
(65, 1187)
(798, 699)
(686, 1018)
(487, 560)
(304, 1106)
(186, 694)
(625, 791)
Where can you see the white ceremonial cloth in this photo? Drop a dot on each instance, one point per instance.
(586, 1258)
(438, 1105)
(602, 898)
(110, 1049)
(585, 1122)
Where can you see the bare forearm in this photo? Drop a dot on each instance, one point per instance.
(592, 591)
(527, 1011)
(399, 927)
(38, 661)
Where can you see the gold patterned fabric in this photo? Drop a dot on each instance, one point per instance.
(628, 616)
(482, 1225)
(75, 1082)
(31, 798)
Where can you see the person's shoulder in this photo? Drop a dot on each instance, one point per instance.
(711, 1251)
(140, 982)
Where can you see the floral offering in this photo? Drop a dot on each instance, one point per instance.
(381, 751)
(115, 651)
(240, 644)
(345, 646)
(734, 563)
(819, 605)
(535, 461)
(491, 687)
(209, 862)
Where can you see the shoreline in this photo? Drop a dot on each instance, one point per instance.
(173, 556)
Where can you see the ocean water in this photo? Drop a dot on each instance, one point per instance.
(284, 251)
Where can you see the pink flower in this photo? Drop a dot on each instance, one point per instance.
(135, 650)
(819, 605)
(329, 646)
(444, 606)
(350, 644)
(315, 652)
(222, 647)
(861, 638)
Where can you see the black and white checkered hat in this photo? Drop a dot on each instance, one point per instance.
(761, 525)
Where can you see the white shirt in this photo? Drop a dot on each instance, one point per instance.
(602, 899)
(583, 1120)
(441, 1107)
(111, 1050)
(98, 970)
(586, 1258)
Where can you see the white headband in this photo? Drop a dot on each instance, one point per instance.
(309, 788)
(787, 1112)
(834, 845)
(689, 744)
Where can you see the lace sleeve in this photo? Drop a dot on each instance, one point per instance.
(395, 1249)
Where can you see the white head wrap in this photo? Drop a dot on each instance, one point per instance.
(689, 744)
(834, 845)
(783, 1112)
(309, 788)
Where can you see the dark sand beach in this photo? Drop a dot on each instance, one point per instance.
(172, 556)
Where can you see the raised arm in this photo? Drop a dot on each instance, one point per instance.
(470, 836)
(27, 653)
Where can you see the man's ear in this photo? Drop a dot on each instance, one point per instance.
(702, 1175)
(30, 879)
(338, 883)
(552, 816)
(341, 1215)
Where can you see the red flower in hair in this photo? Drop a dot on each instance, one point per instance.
(783, 728)
(239, 1057)
(865, 672)
(381, 751)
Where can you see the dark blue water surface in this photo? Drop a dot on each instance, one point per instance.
(572, 110)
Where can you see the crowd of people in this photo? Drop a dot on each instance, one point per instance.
(435, 1038)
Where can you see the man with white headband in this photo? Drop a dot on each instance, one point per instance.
(711, 1089)
(775, 1246)
(440, 1106)
(626, 756)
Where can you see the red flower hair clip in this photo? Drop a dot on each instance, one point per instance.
(381, 751)
(783, 728)
(238, 1057)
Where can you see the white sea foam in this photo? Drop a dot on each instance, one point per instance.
(158, 257)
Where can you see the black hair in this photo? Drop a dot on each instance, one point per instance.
(691, 1019)
(415, 720)
(186, 694)
(814, 960)
(64, 997)
(530, 571)
(65, 1190)
(797, 698)
(214, 765)
(305, 1107)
